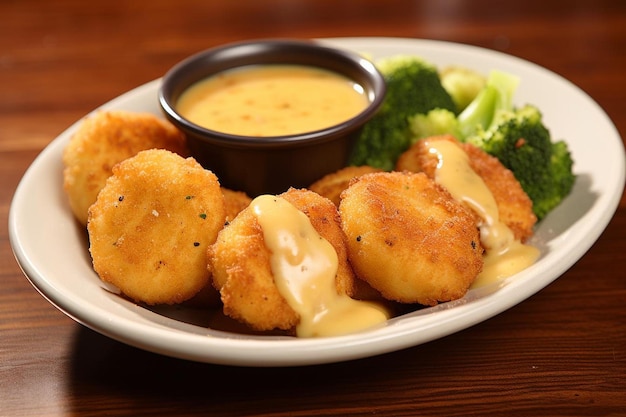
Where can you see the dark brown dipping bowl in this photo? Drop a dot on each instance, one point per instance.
(270, 165)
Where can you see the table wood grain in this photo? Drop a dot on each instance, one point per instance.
(560, 353)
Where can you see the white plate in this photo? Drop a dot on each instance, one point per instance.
(52, 249)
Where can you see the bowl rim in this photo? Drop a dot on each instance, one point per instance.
(237, 54)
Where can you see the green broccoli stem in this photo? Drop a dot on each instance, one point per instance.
(497, 95)
(478, 113)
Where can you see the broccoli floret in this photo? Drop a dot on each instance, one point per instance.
(496, 95)
(562, 176)
(463, 84)
(435, 122)
(413, 87)
(522, 143)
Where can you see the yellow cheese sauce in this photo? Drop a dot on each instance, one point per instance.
(272, 100)
(304, 265)
(504, 255)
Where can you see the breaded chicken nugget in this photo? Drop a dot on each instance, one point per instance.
(235, 202)
(151, 225)
(104, 139)
(331, 185)
(514, 206)
(409, 239)
(240, 263)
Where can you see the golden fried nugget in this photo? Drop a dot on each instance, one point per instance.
(514, 206)
(151, 225)
(409, 239)
(331, 185)
(235, 202)
(105, 139)
(240, 263)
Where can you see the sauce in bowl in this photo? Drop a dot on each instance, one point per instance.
(272, 100)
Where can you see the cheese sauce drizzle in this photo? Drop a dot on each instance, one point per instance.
(304, 265)
(504, 255)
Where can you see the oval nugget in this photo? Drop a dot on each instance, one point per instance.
(409, 239)
(240, 263)
(151, 225)
(105, 139)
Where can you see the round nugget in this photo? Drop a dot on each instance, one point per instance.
(332, 185)
(151, 225)
(105, 139)
(515, 208)
(409, 239)
(240, 264)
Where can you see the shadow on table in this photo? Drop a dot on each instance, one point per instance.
(105, 371)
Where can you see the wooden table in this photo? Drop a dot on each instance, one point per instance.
(561, 352)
